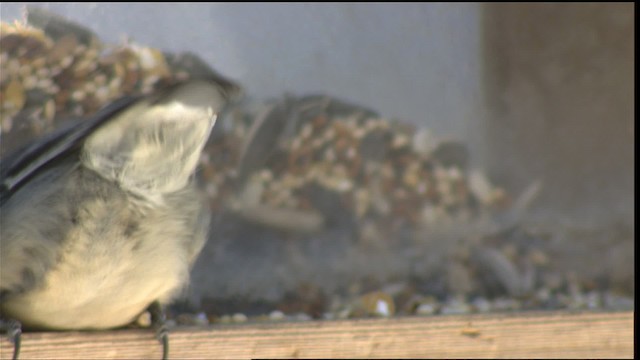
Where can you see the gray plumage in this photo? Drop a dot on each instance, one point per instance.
(100, 220)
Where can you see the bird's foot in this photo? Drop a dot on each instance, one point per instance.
(159, 323)
(13, 329)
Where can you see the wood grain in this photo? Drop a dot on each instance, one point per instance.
(521, 335)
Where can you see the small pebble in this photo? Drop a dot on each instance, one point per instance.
(377, 303)
(199, 319)
(617, 302)
(302, 317)
(593, 300)
(426, 309)
(344, 313)
(276, 315)
(144, 320)
(456, 305)
(239, 318)
(505, 304)
(481, 305)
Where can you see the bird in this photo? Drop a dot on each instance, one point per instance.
(102, 219)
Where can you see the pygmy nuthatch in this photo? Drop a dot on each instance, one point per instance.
(102, 219)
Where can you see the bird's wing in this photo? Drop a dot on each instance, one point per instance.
(20, 166)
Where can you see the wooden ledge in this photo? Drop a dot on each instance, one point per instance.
(519, 335)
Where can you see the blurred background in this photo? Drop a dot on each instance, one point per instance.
(536, 92)
(400, 60)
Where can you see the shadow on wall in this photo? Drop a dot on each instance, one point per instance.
(559, 89)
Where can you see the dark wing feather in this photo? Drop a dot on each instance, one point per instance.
(20, 166)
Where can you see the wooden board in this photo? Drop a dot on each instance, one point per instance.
(520, 335)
